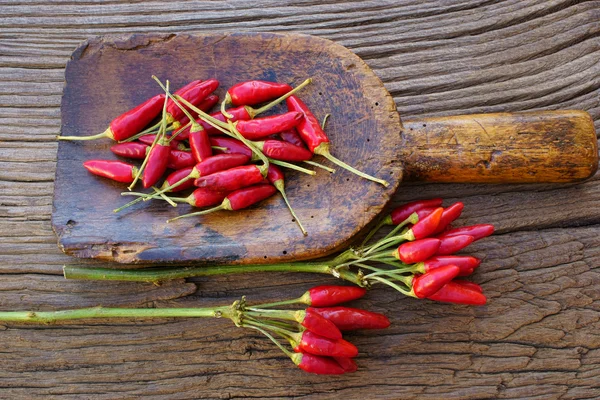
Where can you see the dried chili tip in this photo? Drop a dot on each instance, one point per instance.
(347, 364)
(452, 244)
(476, 231)
(466, 263)
(348, 319)
(310, 342)
(317, 324)
(400, 214)
(424, 286)
(470, 285)
(115, 170)
(331, 295)
(417, 251)
(317, 364)
(458, 293)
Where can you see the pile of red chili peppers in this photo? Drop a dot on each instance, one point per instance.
(215, 153)
(416, 257)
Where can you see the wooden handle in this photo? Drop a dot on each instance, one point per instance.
(539, 146)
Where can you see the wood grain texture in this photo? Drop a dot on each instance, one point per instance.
(537, 338)
(541, 146)
(364, 122)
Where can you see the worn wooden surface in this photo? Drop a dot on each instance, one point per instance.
(538, 336)
(364, 128)
(536, 146)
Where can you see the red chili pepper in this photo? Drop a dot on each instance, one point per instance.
(210, 165)
(175, 177)
(317, 364)
(157, 163)
(477, 231)
(149, 139)
(202, 197)
(128, 123)
(250, 93)
(454, 292)
(194, 95)
(284, 151)
(401, 213)
(312, 343)
(417, 251)
(136, 151)
(200, 144)
(349, 319)
(452, 244)
(466, 263)
(232, 145)
(205, 106)
(179, 159)
(427, 284)
(259, 128)
(115, 170)
(347, 364)
(309, 128)
(425, 226)
(317, 324)
(276, 178)
(470, 285)
(231, 179)
(291, 136)
(331, 295)
(238, 199)
(317, 141)
(449, 215)
(238, 113)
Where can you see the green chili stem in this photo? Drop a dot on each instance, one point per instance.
(163, 274)
(100, 312)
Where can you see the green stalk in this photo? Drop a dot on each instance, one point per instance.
(164, 274)
(99, 312)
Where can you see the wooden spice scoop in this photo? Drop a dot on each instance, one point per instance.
(108, 75)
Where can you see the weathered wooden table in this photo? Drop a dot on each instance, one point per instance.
(536, 338)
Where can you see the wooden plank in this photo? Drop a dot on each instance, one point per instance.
(537, 338)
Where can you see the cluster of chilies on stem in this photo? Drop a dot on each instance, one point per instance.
(215, 153)
(416, 257)
(314, 333)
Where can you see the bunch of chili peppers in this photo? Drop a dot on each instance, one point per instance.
(215, 153)
(416, 257)
(314, 333)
